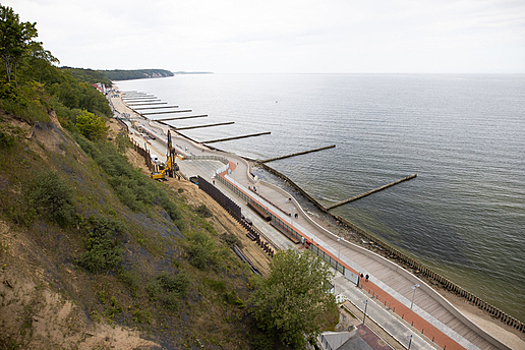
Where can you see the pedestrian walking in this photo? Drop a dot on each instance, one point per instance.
(366, 278)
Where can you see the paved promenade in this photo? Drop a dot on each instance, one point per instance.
(431, 321)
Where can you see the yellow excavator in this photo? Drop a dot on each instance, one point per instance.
(170, 166)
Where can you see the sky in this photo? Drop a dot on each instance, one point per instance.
(283, 36)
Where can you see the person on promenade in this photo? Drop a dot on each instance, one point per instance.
(366, 278)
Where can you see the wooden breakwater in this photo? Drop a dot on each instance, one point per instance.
(140, 98)
(160, 120)
(160, 107)
(407, 261)
(238, 137)
(137, 104)
(296, 154)
(204, 126)
(168, 112)
(369, 192)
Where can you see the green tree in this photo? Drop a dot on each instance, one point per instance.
(15, 40)
(40, 59)
(291, 299)
(91, 126)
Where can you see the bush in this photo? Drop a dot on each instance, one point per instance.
(154, 289)
(231, 239)
(172, 301)
(132, 279)
(198, 255)
(103, 250)
(142, 317)
(53, 197)
(6, 140)
(203, 211)
(179, 283)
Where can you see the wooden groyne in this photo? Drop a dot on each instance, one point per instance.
(138, 99)
(142, 97)
(369, 192)
(297, 154)
(146, 104)
(142, 101)
(168, 112)
(204, 126)
(185, 117)
(238, 137)
(138, 109)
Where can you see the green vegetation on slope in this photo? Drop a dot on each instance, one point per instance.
(120, 74)
(124, 249)
(90, 76)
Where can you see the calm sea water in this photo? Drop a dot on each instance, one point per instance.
(464, 135)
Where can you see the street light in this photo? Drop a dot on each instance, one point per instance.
(364, 316)
(413, 294)
(339, 255)
(291, 216)
(409, 340)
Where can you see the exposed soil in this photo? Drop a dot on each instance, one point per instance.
(33, 316)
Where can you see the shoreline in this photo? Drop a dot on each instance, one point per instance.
(331, 226)
(493, 326)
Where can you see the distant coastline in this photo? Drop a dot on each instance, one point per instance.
(183, 72)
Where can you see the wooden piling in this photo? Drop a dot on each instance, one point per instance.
(297, 154)
(238, 137)
(370, 192)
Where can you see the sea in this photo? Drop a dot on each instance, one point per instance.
(463, 135)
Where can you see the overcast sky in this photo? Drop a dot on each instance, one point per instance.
(283, 36)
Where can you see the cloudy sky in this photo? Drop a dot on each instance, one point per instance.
(284, 36)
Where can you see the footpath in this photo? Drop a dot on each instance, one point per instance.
(399, 302)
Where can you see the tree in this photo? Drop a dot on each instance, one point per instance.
(91, 126)
(290, 300)
(40, 59)
(15, 39)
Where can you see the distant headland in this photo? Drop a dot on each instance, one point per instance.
(106, 76)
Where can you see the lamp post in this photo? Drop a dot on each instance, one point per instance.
(293, 208)
(339, 255)
(364, 316)
(409, 340)
(413, 294)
